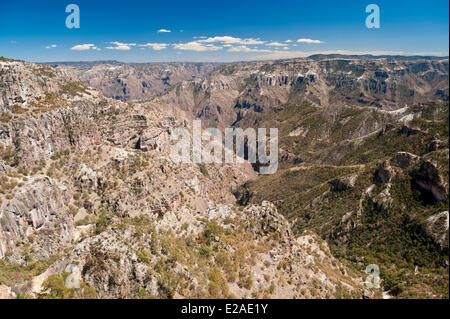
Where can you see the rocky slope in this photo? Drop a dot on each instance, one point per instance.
(240, 94)
(130, 82)
(347, 166)
(90, 194)
(92, 206)
(363, 141)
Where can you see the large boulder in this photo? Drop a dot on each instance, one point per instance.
(88, 178)
(404, 160)
(343, 183)
(437, 227)
(268, 220)
(384, 200)
(408, 131)
(384, 173)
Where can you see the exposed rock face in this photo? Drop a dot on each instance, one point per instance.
(145, 226)
(268, 220)
(404, 160)
(90, 179)
(38, 138)
(343, 184)
(4, 168)
(437, 226)
(6, 293)
(84, 122)
(37, 206)
(118, 267)
(384, 200)
(434, 145)
(428, 180)
(21, 81)
(408, 131)
(384, 173)
(239, 93)
(130, 82)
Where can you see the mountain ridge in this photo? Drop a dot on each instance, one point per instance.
(88, 192)
(345, 166)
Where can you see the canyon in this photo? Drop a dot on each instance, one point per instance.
(89, 189)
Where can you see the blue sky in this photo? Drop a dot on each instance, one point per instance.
(218, 30)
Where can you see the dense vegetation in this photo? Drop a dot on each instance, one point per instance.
(359, 231)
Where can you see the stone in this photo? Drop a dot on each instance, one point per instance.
(404, 160)
(6, 293)
(384, 173)
(343, 183)
(428, 180)
(74, 278)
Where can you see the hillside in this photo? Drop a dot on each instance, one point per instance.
(91, 206)
(363, 155)
(240, 94)
(89, 190)
(133, 81)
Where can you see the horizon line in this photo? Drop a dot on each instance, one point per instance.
(383, 56)
(343, 55)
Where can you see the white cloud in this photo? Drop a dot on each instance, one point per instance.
(50, 46)
(83, 47)
(309, 41)
(288, 41)
(275, 44)
(233, 44)
(163, 31)
(243, 48)
(196, 46)
(155, 46)
(232, 40)
(121, 46)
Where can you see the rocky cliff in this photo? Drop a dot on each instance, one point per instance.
(90, 198)
(91, 205)
(240, 94)
(131, 81)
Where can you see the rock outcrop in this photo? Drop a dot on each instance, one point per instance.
(428, 180)
(130, 82)
(404, 160)
(384, 173)
(36, 207)
(344, 183)
(237, 94)
(92, 204)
